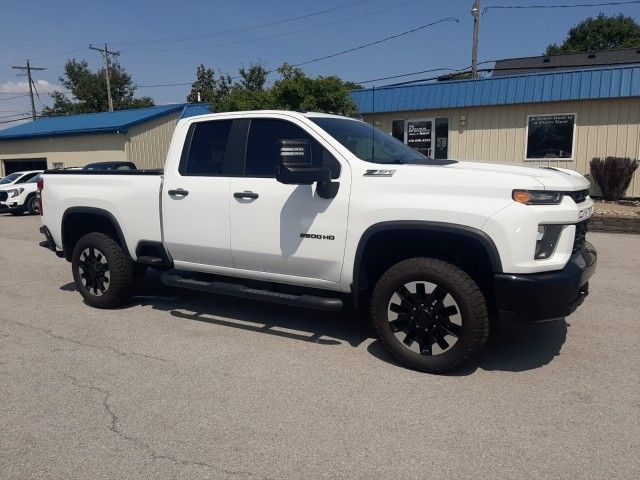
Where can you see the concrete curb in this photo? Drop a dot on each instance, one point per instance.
(605, 222)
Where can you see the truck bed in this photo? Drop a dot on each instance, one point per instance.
(131, 198)
(156, 171)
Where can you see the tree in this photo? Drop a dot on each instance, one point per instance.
(253, 78)
(89, 91)
(292, 91)
(600, 33)
(296, 91)
(212, 88)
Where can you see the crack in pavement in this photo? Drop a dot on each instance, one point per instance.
(113, 427)
(88, 345)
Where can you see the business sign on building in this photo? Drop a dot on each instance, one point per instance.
(419, 135)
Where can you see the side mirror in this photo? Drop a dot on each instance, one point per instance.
(296, 164)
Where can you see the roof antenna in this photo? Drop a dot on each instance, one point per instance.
(373, 132)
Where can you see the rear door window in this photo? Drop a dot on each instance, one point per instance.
(207, 150)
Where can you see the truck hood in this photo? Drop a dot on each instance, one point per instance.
(550, 178)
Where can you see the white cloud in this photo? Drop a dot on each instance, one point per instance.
(42, 86)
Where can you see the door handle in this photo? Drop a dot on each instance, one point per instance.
(178, 192)
(246, 194)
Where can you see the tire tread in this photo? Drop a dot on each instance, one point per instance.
(468, 288)
(121, 269)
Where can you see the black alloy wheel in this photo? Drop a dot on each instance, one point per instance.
(430, 314)
(425, 317)
(94, 271)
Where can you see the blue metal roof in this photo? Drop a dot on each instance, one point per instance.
(105, 122)
(612, 82)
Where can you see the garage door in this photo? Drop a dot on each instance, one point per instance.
(23, 164)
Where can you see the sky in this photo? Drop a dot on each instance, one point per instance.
(226, 35)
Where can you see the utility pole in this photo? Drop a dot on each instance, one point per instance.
(475, 11)
(29, 68)
(105, 53)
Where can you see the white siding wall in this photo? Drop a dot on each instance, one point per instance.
(146, 145)
(603, 128)
(72, 151)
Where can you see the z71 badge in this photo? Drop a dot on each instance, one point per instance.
(379, 173)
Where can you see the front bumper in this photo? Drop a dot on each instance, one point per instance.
(545, 296)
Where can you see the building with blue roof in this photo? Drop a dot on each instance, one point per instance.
(552, 118)
(139, 135)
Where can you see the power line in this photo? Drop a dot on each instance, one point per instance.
(44, 59)
(376, 42)
(276, 35)
(402, 75)
(467, 70)
(575, 5)
(15, 115)
(11, 98)
(15, 120)
(360, 47)
(244, 28)
(57, 55)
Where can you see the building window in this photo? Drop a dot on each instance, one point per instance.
(442, 138)
(397, 129)
(550, 136)
(58, 165)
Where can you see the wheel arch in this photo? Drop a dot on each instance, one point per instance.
(78, 221)
(384, 233)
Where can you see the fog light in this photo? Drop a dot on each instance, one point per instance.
(547, 239)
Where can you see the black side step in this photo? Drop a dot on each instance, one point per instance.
(237, 290)
(151, 261)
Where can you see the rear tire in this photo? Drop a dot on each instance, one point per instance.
(103, 272)
(429, 314)
(32, 205)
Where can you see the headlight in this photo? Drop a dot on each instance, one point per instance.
(547, 240)
(537, 197)
(15, 192)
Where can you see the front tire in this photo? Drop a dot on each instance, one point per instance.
(429, 314)
(33, 205)
(103, 272)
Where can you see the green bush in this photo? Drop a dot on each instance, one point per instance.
(613, 175)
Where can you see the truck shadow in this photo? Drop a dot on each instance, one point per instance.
(512, 348)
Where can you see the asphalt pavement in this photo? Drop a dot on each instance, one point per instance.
(184, 385)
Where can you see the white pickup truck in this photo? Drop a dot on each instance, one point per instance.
(315, 210)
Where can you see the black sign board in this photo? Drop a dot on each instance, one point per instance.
(419, 134)
(550, 136)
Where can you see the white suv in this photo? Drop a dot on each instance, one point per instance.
(20, 195)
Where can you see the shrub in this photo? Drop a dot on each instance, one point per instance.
(613, 175)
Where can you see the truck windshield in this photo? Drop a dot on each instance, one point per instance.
(368, 143)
